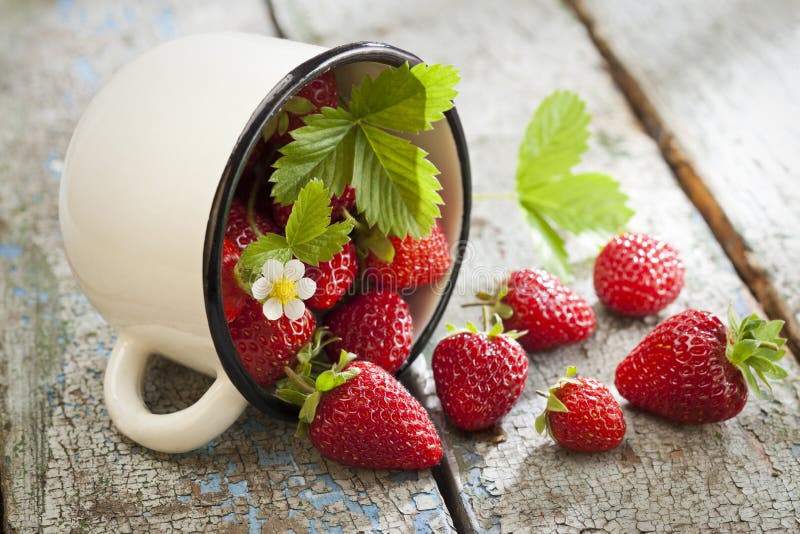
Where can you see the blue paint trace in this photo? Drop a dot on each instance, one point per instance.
(423, 520)
(404, 476)
(335, 495)
(53, 164)
(65, 9)
(10, 251)
(253, 522)
(165, 25)
(796, 449)
(83, 69)
(230, 468)
(212, 485)
(239, 489)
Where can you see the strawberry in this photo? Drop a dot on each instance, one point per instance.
(265, 347)
(638, 275)
(239, 229)
(536, 301)
(318, 93)
(582, 415)
(414, 262)
(377, 325)
(233, 298)
(479, 375)
(359, 415)
(692, 369)
(333, 278)
(345, 201)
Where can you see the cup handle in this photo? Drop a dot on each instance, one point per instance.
(180, 431)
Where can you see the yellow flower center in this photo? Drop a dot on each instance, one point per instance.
(284, 290)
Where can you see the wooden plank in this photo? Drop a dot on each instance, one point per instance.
(715, 84)
(741, 475)
(64, 467)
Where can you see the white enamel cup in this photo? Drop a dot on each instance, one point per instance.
(148, 180)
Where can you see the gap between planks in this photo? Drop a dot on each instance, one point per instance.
(744, 260)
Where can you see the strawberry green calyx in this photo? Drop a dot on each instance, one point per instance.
(553, 403)
(494, 301)
(492, 329)
(754, 347)
(307, 356)
(300, 389)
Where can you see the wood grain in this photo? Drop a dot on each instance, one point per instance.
(64, 467)
(741, 475)
(715, 85)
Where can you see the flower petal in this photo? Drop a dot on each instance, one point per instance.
(272, 309)
(294, 270)
(294, 309)
(261, 288)
(272, 270)
(306, 287)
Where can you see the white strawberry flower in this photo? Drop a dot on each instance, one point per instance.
(284, 288)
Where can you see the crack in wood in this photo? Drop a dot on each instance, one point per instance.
(741, 256)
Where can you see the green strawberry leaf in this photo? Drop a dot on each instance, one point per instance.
(554, 198)
(406, 100)
(395, 183)
(323, 149)
(309, 232)
(396, 187)
(577, 203)
(554, 140)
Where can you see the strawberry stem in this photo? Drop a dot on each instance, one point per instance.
(486, 317)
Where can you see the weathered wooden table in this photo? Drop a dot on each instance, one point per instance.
(695, 111)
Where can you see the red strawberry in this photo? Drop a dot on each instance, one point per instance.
(638, 275)
(479, 376)
(318, 93)
(265, 347)
(376, 325)
(691, 369)
(360, 415)
(415, 262)
(549, 311)
(347, 200)
(582, 415)
(233, 298)
(238, 228)
(333, 278)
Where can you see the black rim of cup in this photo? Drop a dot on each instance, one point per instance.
(263, 398)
